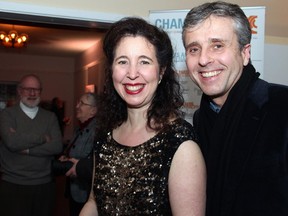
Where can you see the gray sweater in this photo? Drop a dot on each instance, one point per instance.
(33, 168)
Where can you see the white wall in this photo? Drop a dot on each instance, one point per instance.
(275, 56)
(276, 63)
(276, 13)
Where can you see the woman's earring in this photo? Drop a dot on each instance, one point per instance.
(160, 78)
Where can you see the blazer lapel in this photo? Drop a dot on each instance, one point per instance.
(253, 117)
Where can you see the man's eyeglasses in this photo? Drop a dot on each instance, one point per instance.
(80, 102)
(30, 90)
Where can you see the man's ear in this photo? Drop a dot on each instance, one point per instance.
(246, 54)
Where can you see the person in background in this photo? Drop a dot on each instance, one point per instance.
(30, 139)
(57, 106)
(242, 121)
(146, 159)
(80, 148)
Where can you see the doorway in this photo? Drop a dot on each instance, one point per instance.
(66, 28)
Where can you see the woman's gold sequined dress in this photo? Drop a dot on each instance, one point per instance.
(134, 180)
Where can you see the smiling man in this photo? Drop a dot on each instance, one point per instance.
(30, 139)
(242, 121)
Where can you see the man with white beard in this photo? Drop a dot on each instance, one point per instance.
(30, 139)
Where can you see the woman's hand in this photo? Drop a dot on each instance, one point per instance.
(72, 171)
(63, 158)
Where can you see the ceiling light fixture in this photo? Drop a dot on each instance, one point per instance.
(13, 39)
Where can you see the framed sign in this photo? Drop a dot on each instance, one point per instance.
(8, 94)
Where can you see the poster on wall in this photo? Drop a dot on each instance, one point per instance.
(172, 21)
(8, 94)
(256, 17)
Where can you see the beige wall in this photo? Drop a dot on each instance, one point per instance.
(276, 11)
(56, 74)
(90, 61)
(65, 78)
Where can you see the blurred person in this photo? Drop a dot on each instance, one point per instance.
(80, 148)
(146, 159)
(30, 139)
(57, 106)
(242, 121)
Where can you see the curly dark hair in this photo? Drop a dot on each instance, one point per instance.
(168, 98)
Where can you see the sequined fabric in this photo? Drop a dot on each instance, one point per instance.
(134, 180)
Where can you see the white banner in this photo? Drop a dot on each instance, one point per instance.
(256, 17)
(172, 22)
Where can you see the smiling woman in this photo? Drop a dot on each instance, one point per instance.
(153, 147)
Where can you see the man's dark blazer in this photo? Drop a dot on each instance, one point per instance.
(258, 173)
